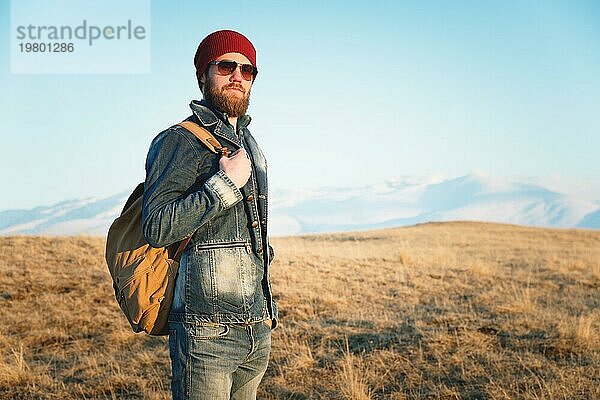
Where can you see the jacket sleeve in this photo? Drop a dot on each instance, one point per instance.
(171, 169)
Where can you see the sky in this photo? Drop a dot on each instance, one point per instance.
(348, 93)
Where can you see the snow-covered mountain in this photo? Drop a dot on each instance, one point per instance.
(91, 216)
(403, 201)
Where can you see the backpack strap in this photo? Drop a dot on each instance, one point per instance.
(205, 137)
(213, 145)
(182, 245)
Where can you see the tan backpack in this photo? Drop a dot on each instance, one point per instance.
(144, 276)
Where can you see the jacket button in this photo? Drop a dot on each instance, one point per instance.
(254, 224)
(250, 197)
(259, 249)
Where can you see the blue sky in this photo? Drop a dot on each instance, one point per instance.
(348, 93)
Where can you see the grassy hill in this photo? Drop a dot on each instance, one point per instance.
(441, 310)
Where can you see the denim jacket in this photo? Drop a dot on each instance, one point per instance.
(224, 270)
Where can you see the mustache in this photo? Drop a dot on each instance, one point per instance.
(233, 86)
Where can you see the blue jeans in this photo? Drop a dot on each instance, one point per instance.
(216, 361)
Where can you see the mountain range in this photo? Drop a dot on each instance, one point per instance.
(397, 202)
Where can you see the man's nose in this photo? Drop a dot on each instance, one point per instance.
(236, 76)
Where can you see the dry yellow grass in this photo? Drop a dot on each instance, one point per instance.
(436, 311)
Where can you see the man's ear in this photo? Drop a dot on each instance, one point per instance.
(201, 82)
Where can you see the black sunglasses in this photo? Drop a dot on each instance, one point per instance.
(226, 67)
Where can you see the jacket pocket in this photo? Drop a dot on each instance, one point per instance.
(224, 245)
(226, 273)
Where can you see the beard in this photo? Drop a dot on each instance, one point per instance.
(225, 101)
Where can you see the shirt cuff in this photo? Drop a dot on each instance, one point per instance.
(225, 189)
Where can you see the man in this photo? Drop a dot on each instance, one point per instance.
(223, 310)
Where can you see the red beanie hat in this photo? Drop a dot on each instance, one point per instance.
(218, 43)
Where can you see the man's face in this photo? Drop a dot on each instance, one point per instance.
(229, 93)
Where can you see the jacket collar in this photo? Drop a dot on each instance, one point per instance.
(210, 116)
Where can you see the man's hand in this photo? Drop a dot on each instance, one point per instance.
(237, 167)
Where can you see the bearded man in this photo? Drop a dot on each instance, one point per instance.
(223, 310)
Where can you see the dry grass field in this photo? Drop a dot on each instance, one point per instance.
(434, 311)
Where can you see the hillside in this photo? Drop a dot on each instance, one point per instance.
(398, 202)
(459, 310)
